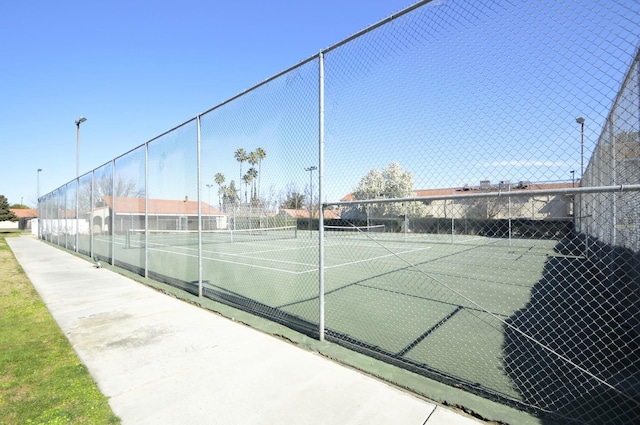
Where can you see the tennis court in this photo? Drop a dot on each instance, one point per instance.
(420, 299)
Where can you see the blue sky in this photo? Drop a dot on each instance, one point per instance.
(456, 91)
(138, 68)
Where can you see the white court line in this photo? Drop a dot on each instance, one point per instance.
(245, 254)
(266, 251)
(312, 270)
(255, 266)
(477, 238)
(271, 260)
(395, 254)
(386, 245)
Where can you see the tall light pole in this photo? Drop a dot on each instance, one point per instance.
(77, 228)
(580, 120)
(78, 122)
(573, 178)
(209, 209)
(310, 170)
(38, 189)
(38, 204)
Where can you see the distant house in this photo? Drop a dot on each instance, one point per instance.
(24, 219)
(522, 204)
(163, 214)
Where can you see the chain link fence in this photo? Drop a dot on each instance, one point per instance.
(454, 190)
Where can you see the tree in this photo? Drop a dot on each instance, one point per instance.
(251, 176)
(488, 207)
(241, 156)
(127, 188)
(102, 186)
(246, 179)
(253, 160)
(371, 186)
(231, 194)
(293, 200)
(219, 179)
(391, 182)
(5, 213)
(261, 154)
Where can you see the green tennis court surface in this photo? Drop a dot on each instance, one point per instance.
(434, 303)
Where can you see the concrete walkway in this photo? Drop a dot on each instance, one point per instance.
(164, 361)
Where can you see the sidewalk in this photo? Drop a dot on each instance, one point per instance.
(164, 361)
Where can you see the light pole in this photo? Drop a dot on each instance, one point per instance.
(209, 208)
(78, 122)
(38, 189)
(310, 170)
(580, 120)
(77, 228)
(38, 201)
(573, 178)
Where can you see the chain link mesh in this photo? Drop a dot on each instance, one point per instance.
(468, 212)
(255, 150)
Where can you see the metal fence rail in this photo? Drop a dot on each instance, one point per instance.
(454, 190)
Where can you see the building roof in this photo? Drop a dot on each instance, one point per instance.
(524, 187)
(328, 214)
(470, 189)
(24, 212)
(159, 206)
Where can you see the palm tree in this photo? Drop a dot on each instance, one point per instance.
(241, 156)
(262, 154)
(251, 175)
(253, 159)
(247, 179)
(222, 191)
(219, 179)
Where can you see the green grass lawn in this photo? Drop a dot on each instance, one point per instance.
(42, 381)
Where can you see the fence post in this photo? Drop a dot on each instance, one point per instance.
(113, 213)
(91, 206)
(453, 223)
(77, 229)
(199, 177)
(321, 194)
(509, 211)
(146, 210)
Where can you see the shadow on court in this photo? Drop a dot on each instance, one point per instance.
(582, 362)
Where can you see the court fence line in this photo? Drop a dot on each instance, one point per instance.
(486, 255)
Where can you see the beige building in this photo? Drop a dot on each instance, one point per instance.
(522, 203)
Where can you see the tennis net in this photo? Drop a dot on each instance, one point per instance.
(378, 228)
(140, 238)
